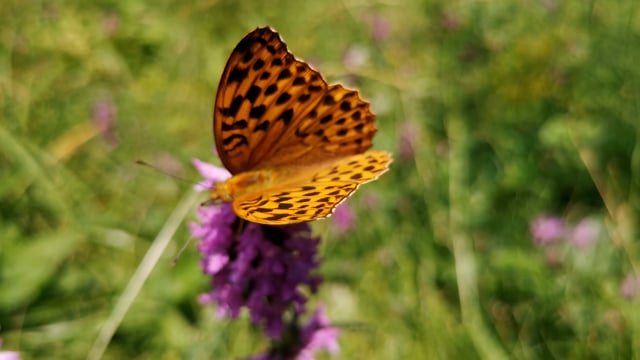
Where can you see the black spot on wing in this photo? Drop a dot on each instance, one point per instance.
(284, 74)
(283, 98)
(329, 100)
(303, 98)
(286, 116)
(257, 111)
(237, 139)
(263, 126)
(276, 217)
(253, 93)
(232, 110)
(248, 55)
(271, 89)
(236, 125)
(259, 64)
(237, 75)
(265, 75)
(326, 119)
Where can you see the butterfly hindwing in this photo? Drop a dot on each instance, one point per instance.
(360, 168)
(313, 195)
(293, 203)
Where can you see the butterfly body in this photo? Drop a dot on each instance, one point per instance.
(296, 146)
(240, 184)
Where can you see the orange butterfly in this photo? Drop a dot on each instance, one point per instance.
(295, 145)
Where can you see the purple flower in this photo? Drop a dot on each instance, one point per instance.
(110, 23)
(303, 343)
(585, 233)
(344, 218)
(211, 173)
(355, 57)
(8, 355)
(630, 287)
(318, 334)
(104, 117)
(450, 22)
(262, 268)
(547, 229)
(409, 133)
(379, 26)
(371, 200)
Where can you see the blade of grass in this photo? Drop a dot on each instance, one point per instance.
(466, 271)
(138, 279)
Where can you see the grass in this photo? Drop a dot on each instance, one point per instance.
(497, 113)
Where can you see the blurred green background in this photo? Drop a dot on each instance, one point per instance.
(497, 112)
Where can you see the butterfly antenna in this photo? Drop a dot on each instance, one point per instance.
(179, 254)
(144, 163)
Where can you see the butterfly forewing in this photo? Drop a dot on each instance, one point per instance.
(272, 109)
(341, 124)
(314, 192)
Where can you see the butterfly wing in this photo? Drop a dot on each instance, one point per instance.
(272, 109)
(314, 193)
(340, 124)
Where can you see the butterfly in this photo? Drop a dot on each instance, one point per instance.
(296, 146)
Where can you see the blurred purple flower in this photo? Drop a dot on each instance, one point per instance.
(630, 287)
(450, 22)
(259, 267)
(344, 218)
(355, 57)
(585, 233)
(409, 133)
(8, 355)
(316, 335)
(379, 26)
(211, 174)
(550, 4)
(547, 229)
(104, 117)
(110, 23)
(371, 200)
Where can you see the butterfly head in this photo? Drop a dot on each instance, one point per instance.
(221, 193)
